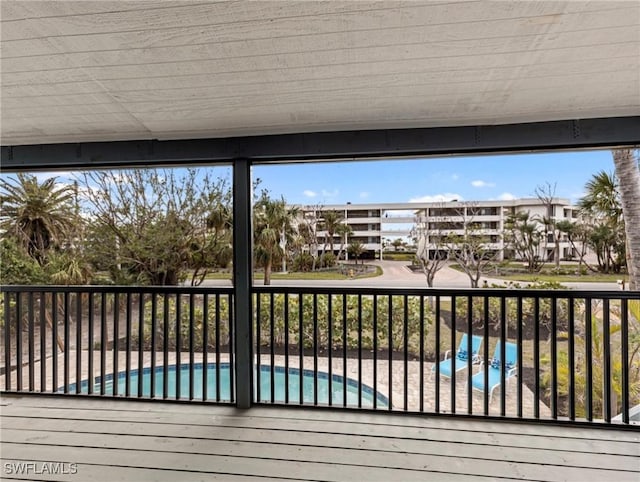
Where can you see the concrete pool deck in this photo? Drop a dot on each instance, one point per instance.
(382, 373)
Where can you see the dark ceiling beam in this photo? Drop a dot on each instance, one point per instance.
(537, 136)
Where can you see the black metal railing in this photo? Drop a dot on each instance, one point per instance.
(532, 354)
(524, 354)
(151, 342)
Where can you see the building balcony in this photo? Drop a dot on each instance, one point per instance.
(368, 370)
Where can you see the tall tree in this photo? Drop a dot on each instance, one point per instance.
(344, 231)
(470, 249)
(356, 249)
(272, 220)
(39, 216)
(153, 226)
(578, 235)
(602, 208)
(308, 229)
(397, 244)
(330, 221)
(523, 235)
(546, 194)
(626, 163)
(431, 250)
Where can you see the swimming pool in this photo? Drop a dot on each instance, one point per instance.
(224, 369)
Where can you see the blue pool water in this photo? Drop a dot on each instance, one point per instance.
(224, 370)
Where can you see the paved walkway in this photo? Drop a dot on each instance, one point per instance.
(396, 274)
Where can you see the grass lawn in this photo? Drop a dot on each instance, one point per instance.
(547, 274)
(587, 278)
(312, 275)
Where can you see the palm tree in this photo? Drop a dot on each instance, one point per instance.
(356, 248)
(628, 173)
(331, 222)
(344, 231)
(603, 207)
(602, 197)
(272, 222)
(39, 216)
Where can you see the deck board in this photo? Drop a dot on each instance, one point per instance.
(196, 442)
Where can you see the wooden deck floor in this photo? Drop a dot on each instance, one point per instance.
(121, 440)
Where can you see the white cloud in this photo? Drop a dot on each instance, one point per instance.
(455, 177)
(327, 193)
(481, 183)
(506, 196)
(309, 193)
(43, 176)
(364, 195)
(448, 196)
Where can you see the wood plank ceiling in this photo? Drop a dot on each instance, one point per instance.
(112, 70)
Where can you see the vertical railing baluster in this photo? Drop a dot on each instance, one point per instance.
(217, 342)
(554, 358)
(54, 342)
(7, 344)
(503, 355)
(127, 368)
(301, 348)
(141, 344)
(191, 344)
(178, 345)
(375, 351)
(78, 344)
(359, 351)
(272, 384)
(329, 347)
(485, 356)
(286, 347)
(469, 349)
(571, 354)
(232, 352)
(405, 338)
(315, 349)
(606, 352)
(258, 347)
(624, 333)
(65, 358)
(453, 354)
(437, 361)
(390, 344)
(421, 354)
(520, 363)
(19, 328)
(165, 346)
(103, 342)
(154, 315)
(43, 342)
(90, 344)
(32, 347)
(344, 350)
(536, 356)
(205, 344)
(116, 339)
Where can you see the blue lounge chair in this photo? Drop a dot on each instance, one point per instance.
(495, 367)
(461, 357)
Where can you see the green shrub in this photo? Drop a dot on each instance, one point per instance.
(303, 262)
(334, 318)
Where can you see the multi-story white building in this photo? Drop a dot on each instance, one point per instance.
(372, 224)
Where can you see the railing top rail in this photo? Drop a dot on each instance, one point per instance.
(476, 292)
(355, 290)
(116, 289)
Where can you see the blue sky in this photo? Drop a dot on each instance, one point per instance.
(434, 179)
